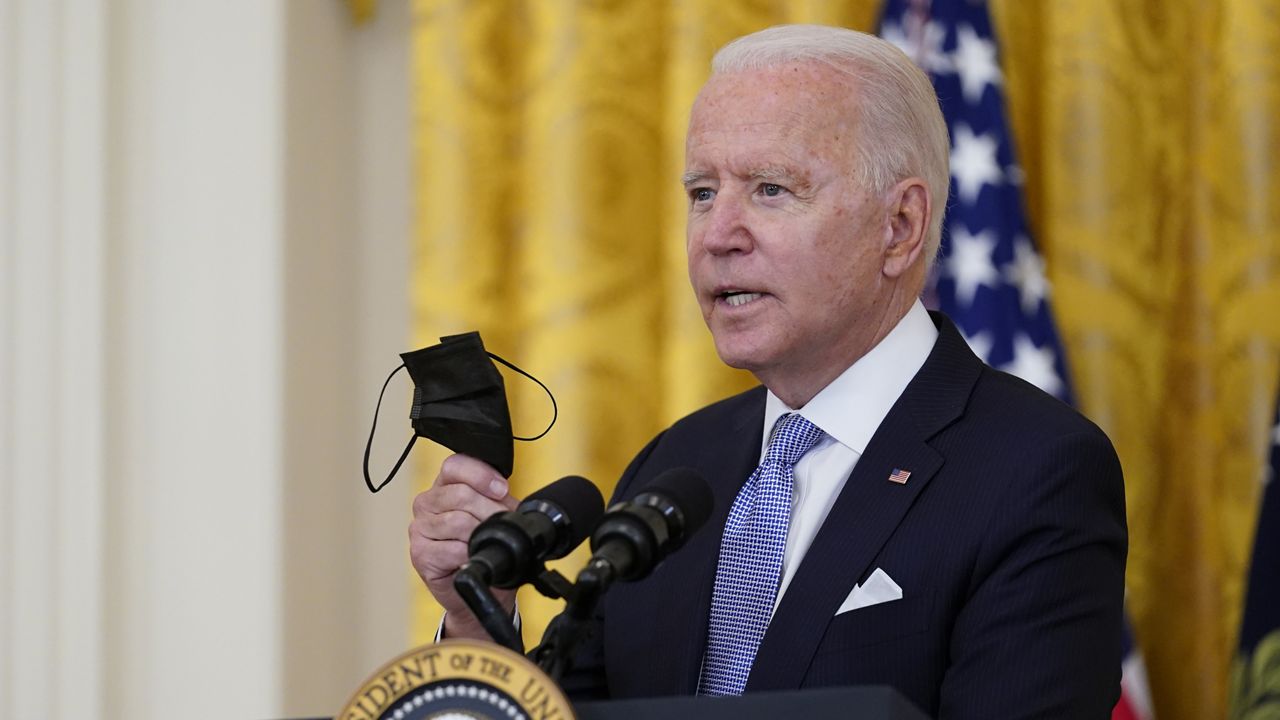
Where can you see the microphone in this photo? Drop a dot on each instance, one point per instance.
(508, 548)
(634, 536)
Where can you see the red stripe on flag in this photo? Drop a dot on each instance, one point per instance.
(1124, 711)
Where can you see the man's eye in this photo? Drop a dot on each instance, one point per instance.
(772, 189)
(701, 194)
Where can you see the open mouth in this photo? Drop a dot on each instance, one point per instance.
(736, 298)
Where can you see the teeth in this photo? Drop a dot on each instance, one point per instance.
(736, 299)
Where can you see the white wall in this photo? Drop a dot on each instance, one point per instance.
(203, 280)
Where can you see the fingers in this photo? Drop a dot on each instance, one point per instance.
(444, 499)
(447, 525)
(473, 473)
(437, 560)
(468, 485)
(466, 492)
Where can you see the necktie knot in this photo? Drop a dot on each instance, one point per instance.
(793, 436)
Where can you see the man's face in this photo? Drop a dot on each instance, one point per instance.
(785, 248)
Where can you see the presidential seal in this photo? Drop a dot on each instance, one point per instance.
(458, 680)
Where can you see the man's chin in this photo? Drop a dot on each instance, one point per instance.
(739, 358)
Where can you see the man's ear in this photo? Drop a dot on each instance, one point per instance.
(909, 212)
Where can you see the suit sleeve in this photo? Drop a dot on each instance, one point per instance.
(586, 679)
(1040, 633)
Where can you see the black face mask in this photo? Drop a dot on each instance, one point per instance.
(459, 401)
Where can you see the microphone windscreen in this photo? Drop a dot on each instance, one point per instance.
(686, 489)
(579, 499)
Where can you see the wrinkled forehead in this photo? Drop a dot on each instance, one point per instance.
(809, 92)
(808, 107)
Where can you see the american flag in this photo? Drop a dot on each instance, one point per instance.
(1256, 676)
(989, 277)
(1135, 695)
(899, 476)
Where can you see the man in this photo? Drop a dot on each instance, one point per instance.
(888, 510)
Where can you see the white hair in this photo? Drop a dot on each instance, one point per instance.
(901, 130)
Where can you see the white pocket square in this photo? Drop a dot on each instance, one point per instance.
(879, 588)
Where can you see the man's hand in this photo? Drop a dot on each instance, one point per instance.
(466, 491)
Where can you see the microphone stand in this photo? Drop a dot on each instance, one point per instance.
(492, 616)
(472, 584)
(566, 630)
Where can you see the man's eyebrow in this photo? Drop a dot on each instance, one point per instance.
(776, 173)
(693, 177)
(769, 174)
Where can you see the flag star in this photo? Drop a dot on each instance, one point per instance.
(1026, 273)
(970, 263)
(980, 343)
(1034, 364)
(896, 35)
(973, 162)
(933, 58)
(921, 40)
(975, 61)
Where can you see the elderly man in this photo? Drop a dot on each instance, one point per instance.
(888, 510)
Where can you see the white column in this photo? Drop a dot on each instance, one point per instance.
(204, 225)
(384, 189)
(346, 309)
(194, 403)
(52, 243)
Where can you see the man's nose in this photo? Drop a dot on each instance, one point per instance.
(728, 226)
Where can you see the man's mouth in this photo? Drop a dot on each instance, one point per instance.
(736, 298)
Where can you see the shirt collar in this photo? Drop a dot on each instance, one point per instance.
(852, 406)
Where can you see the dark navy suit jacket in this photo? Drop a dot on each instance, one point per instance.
(1008, 541)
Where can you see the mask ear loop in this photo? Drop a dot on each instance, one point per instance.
(555, 411)
(369, 445)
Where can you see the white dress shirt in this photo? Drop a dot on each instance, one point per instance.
(848, 410)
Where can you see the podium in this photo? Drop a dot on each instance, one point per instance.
(846, 703)
(464, 678)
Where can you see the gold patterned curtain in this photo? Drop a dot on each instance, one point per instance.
(548, 141)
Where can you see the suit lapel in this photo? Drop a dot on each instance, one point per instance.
(688, 575)
(868, 510)
(865, 514)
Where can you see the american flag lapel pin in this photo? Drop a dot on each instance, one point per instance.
(899, 476)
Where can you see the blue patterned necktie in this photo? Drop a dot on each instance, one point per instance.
(750, 566)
